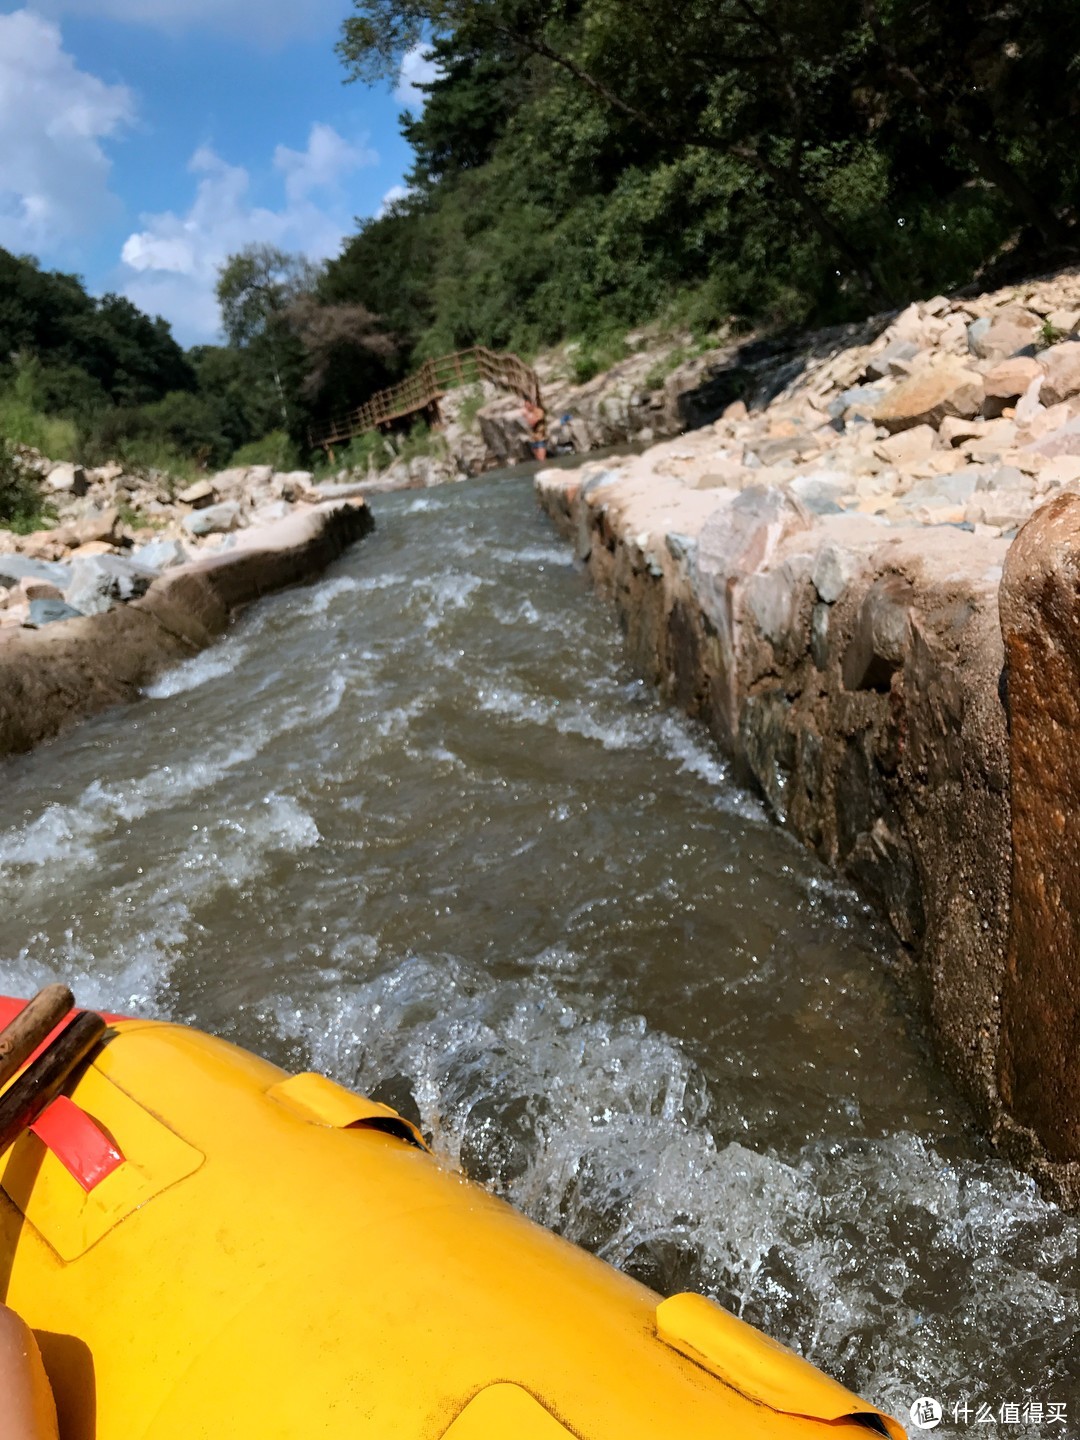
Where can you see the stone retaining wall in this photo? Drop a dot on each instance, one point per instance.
(54, 676)
(855, 675)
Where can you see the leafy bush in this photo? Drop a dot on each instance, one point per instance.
(276, 449)
(22, 506)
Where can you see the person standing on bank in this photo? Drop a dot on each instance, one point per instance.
(535, 419)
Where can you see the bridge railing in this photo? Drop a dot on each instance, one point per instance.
(426, 386)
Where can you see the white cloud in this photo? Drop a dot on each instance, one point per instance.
(266, 22)
(392, 196)
(320, 167)
(54, 174)
(172, 263)
(417, 68)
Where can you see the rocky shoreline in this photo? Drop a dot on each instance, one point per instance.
(53, 674)
(817, 577)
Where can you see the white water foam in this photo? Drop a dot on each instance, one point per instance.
(212, 664)
(600, 1128)
(63, 835)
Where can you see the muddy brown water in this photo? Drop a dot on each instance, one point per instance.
(418, 826)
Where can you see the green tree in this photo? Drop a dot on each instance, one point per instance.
(255, 290)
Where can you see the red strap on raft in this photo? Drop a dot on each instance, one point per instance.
(80, 1145)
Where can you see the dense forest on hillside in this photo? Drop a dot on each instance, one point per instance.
(586, 165)
(582, 167)
(96, 379)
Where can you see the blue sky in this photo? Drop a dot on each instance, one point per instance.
(142, 141)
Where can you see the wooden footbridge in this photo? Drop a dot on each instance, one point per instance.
(421, 392)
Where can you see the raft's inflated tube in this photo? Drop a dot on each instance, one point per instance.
(273, 1256)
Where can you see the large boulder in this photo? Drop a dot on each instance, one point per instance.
(926, 398)
(99, 581)
(67, 479)
(48, 612)
(1011, 331)
(1010, 378)
(1040, 1000)
(199, 495)
(103, 526)
(160, 554)
(14, 568)
(215, 519)
(1064, 440)
(1061, 365)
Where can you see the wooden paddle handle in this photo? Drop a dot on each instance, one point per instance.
(39, 1085)
(34, 1022)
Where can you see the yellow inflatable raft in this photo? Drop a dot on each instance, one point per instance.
(207, 1247)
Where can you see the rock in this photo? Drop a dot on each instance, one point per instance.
(103, 525)
(1012, 331)
(67, 479)
(834, 569)
(953, 430)
(908, 325)
(1005, 477)
(769, 745)
(99, 581)
(215, 520)
(33, 589)
(1061, 364)
(160, 555)
(928, 397)
(976, 332)
(48, 612)
(1065, 440)
(1010, 378)
(293, 485)
(895, 359)
(819, 636)
(42, 545)
(857, 402)
(786, 447)
(996, 437)
(881, 636)
(199, 495)
(93, 547)
(908, 445)
(1064, 322)
(1040, 999)
(1029, 404)
(1062, 470)
(1005, 510)
(735, 541)
(271, 511)
(954, 489)
(773, 598)
(735, 411)
(14, 568)
(103, 474)
(822, 491)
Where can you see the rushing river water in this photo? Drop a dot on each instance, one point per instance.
(419, 827)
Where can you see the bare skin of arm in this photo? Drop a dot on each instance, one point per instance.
(27, 1411)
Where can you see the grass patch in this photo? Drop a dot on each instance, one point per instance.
(22, 424)
(375, 451)
(472, 402)
(595, 355)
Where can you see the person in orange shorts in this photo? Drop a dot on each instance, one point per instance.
(27, 1408)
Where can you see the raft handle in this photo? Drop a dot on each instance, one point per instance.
(25, 1099)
